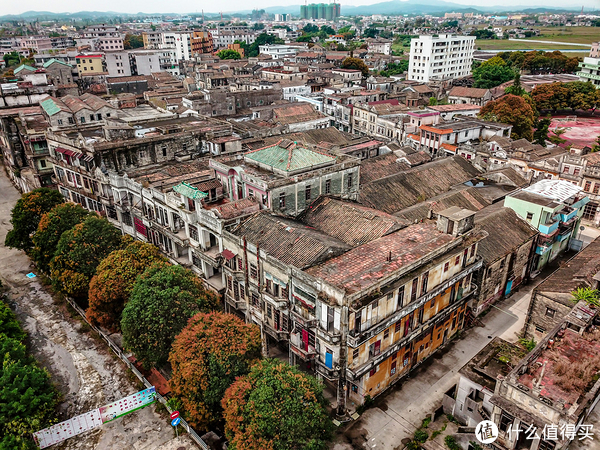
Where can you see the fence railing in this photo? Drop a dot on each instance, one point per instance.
(117, 350)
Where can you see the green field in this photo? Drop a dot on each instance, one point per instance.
(505, 44)
(576, 35)
(397, 47)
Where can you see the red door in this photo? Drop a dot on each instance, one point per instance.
(305, 340)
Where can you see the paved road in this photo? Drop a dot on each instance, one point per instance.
(398, 413)
(552, 42)
(82, 368)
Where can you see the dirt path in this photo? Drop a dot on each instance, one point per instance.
(84, 370)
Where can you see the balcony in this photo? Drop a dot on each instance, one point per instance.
(548, 228)
(542, 249)
(216, 282)
(275, 333)
(237, 304)
(303, 317)
(301, 348)
(356, 338)
(566, 215)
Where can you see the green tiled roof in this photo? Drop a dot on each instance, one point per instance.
(50, 106)
(24, 66)
(189, 191)
(54, 60)
(289, 159)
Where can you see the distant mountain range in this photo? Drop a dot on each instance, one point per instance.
(393, 7)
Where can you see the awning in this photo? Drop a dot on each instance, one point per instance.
(68, 152)
(88, 158)
(228, 254)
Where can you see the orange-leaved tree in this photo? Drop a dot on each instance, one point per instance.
(79, 252)
(207, 356)
(276, 407)
(111, 287)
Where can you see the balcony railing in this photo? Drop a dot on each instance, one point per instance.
(549, 227)
(301, 348)
(303, 317)
(355, 338)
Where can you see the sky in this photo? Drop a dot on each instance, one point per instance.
(189, 6)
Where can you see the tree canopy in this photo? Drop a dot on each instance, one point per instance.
(52, 225)
(229, 54)
(492, 73)
(513, 110)
(26, 215)
(573, 95)
(252, 50)
(27, 396)
(207, 356)
(111, 287)
(276, 407)
(395, 68)
(78, 253)
(162, 301)
(133, 41)
(357, 64)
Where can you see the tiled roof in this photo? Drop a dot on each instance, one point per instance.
(349, 222)
(460, 91)
(54, 60)
(420, 183)
(189, 191)
(372, 169)
(464, 197)
(288, 156)
(575, 273)
(24, 67)
(289, 241)
(506, 232)
(53, 105)
(238, 208)
(367, 264)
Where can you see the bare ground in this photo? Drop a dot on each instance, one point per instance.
(86, 373)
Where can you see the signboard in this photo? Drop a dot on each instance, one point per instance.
(174, 415)
(128, 404)
(93, 419)
(176, 421)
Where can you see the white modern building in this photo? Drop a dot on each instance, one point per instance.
(440, 57)
(278, 51)
(180, 41)
(589, 69)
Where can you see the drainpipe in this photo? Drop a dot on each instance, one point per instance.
(343, 362)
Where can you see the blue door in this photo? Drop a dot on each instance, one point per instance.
(329, 360)
(508, 287)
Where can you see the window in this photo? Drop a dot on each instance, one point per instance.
(529, 215)
(400, 297)
(540, 329)
(588, 186)
(505, 422)
(386, 333)
(425, 281)
(398, 326)
(350, 180)
(373, 371)
(328, 186)
(42, 163)
(282, 200)
(576, 171)
(413, 292)
(253, 271)
(374, 349)
(446, 267)
(250, 192)
(457, 260)
(307, 193)
(596, 188)
(82, 119)
(355, 353)
(550, 312)
(566, 169)
(164, 151)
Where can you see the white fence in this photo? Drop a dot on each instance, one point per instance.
(115, 348)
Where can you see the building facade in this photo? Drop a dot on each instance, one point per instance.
(440, 57)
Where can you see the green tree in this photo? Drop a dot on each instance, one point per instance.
(252, 50)
(540, 135)
(356, 64)
(395, 68)
(162, 301)
(327, 30)
(111, 286)
(9, 325)
(551, 96)
(207, 356)
(516, 88)
(78, 253)
(52, 225)
(12, 59)
(276, 407)
(229, 54)
(492, 73)
(26, 215)
(132, 41)
(596, 146)
(513, 110)
(582, 95)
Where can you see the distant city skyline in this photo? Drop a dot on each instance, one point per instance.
(156, 7)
